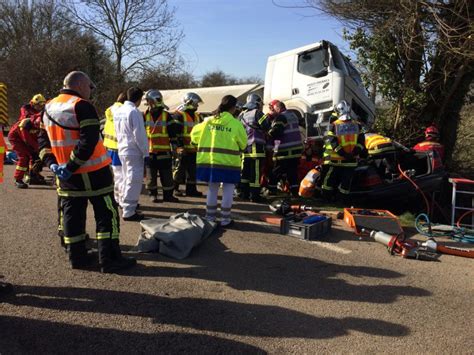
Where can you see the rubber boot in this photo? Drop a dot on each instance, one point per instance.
(255, 195)
(110, 257)
(191, 191)
(168, 196)
(78, 256)
(244, 192)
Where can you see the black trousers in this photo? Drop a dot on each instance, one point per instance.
(185, 172)
(74, 213)
(251, 173)
(162, 165)
(288, 168)
(336, 178)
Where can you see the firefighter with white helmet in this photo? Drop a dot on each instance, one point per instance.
(162, 133)
(187, 117)
(344, 143)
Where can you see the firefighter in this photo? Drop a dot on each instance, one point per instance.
(185, 171)
(220, 139)
(344, 142)
(72, 148)
(255, 124)
(382, 151)
(110, 143)
(33, 109)
(161, 131)
(431, 142)
(23, 137)
(287, 147)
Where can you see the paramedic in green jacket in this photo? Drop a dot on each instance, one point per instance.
(220, 139)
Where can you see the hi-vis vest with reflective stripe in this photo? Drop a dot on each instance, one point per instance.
(189, 122)
(63, 140)
(290, 146)
(376, 143)
(110, 138)
(157, 133)
(347, 133)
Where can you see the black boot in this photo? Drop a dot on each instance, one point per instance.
(168, 196)
(255, 195)
(110, 257)
(153, 196)
(244, 193)
(191, 191)
(78, 256)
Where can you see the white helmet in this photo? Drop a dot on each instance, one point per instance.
(155, 99)
(345, 117)
(253, 101)
(191, 99)
(342, 108)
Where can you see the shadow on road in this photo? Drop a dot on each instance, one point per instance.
(203, 314)
(283, 275)
(20, 335)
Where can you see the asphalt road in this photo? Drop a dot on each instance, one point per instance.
(243, 290)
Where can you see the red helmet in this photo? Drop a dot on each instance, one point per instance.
(432, 131)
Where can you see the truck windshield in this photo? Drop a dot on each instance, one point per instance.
(313, 63)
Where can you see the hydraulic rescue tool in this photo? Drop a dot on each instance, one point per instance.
(283, 208)
(398, 245)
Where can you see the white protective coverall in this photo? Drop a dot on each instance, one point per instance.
(132, 149)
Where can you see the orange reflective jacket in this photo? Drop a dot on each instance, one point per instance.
(63, 129)
(157, 133)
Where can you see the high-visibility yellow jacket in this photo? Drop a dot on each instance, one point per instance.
(110, 138)
(220, 141)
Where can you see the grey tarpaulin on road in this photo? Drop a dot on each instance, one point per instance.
(174, 237)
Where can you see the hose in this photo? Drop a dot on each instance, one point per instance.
(425, 227)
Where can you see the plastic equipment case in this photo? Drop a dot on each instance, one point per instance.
(300, 230)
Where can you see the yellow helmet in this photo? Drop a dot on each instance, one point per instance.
(38, 99)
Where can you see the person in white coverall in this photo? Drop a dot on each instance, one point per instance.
(133, 150)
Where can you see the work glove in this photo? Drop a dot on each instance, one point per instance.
(63, 173)
(54, 168)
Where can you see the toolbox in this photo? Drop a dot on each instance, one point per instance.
(369, 219)
(312, 231)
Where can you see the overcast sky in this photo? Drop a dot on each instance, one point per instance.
(237, 36)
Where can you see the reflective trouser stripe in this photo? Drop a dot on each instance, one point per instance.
(256, 182)
(115, 227)
(326, 178)
(76, 239)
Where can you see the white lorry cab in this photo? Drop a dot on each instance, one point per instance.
(311, 80)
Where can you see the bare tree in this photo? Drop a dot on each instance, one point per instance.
(37, 49)
(138, 32)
